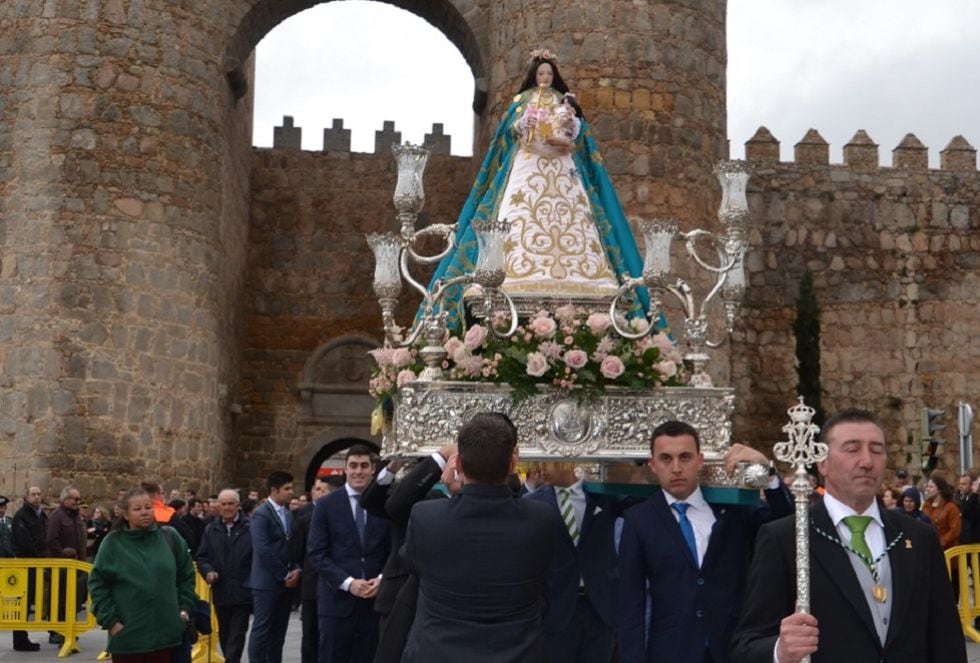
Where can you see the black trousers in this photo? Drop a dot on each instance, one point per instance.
(311, 632)
(232, 628)
(20, 637)
(350, 639)
(586, 640)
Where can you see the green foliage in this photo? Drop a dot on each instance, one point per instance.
(806, 329)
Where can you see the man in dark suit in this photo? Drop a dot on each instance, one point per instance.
(310, 641)
(481, 558)
(348, 548)
(30, 527)
(683, 560)
(275, 571)
(583, 579)
(878, 585)
(398, 592)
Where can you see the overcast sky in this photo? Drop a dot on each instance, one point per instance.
(887, 66)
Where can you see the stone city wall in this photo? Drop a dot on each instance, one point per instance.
(895, 254)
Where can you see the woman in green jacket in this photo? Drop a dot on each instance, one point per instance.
(142, 586)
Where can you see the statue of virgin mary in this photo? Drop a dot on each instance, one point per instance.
(569, 239)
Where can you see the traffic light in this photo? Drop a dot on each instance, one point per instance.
(930, 437)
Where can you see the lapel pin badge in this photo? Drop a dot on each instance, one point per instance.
(908, 544)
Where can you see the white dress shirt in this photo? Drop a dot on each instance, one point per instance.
(701, 516)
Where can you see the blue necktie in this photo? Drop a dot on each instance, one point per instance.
(687, 530)
(360, 518)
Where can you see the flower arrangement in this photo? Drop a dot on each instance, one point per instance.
(568, 350)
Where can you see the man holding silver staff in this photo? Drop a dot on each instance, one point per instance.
(878, 586)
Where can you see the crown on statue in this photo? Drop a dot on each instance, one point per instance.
(801, 413)
(544, 54)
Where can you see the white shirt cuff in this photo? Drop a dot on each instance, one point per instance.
(775, 648)
(440, 461)
(345, 585)
(385, 477)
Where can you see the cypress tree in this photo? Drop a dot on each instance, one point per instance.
(806, 329)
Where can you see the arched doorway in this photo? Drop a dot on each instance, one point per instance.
(330, 450)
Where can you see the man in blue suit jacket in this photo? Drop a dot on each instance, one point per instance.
(274, 571)
(686, 559)
(583, 579)
(348, 548)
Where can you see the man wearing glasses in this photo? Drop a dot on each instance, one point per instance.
(66, 539)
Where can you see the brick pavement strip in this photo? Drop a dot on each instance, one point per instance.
(91, 644)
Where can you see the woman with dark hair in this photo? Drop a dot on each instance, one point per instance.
(142, 586)
(544, 174)
(941, 508)
(911, 501)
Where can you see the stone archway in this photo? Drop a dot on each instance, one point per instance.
(329, 449)
(461, 21)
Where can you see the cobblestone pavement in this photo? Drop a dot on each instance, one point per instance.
(91, 644)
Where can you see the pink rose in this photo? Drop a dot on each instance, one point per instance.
(472, 365)
(474, 338)
(405, 376)
(639, 325)
(566, 313)
(452, 345)
(612, 367)
(575, 359)
(401, 357)
(666, 368)
(598, 323)
(543, 327)
(537, 364)
(550, 349)
(663, 342)
(383, 356)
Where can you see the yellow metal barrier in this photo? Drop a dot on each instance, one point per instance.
(206, 648)
(966, 560)
(56, 587)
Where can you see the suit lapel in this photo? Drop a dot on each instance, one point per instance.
(275, 517)
(591, 504)
(902, 559)
(833, 558)
(670, 525)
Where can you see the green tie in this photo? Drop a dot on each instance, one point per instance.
(857, 525)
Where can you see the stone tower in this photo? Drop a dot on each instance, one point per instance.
(125, 162)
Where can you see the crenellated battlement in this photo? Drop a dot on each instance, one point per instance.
(861, 152)
(338, 139)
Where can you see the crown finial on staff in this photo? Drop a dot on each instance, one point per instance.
(800, 450)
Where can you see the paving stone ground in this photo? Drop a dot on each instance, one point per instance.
(92, 642)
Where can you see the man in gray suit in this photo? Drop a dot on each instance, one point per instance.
(481, 558)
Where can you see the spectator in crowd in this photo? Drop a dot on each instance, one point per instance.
(304, 501)
(224, 560)
(481, 558)
(161, 512)
(213, 511)
(311, 629)
(193, 523)
(911, 505)
(96, 530)
(399, 589)
(878, 585)
(969, 503)
(891, 497)
(902, 480)
(294, 505)
(348, 548)
(248, 508)
(6, 530)
(583, 579)
(66, 540)
(685, 559)
(942, 510)
(142, 586)
(30, 542)
(253, 494)
(190, 495)
(275, 571)
(174, 495)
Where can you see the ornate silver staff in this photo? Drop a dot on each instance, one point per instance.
(801, 451)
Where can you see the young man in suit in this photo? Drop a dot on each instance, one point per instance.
(583, 580)
(683, 560)
(878, 585)
(481, 558)
(348, 548)
(275, 571)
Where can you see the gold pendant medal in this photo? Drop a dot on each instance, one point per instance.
(879, 593)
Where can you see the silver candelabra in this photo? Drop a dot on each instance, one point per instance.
(658, 236)
(393, 253)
